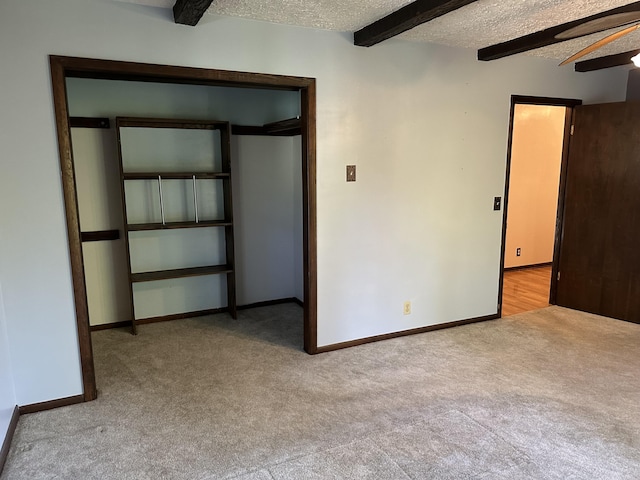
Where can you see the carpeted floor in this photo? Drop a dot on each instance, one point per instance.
(549, 394)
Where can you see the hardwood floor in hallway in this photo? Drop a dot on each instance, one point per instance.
(525, 290)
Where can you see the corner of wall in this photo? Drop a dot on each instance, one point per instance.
(8, 409)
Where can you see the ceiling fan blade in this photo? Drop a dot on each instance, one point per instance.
(601, 43)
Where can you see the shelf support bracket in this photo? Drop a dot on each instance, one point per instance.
(195, 198)
(161, 199)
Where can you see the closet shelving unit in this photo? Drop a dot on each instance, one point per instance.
(160, 176)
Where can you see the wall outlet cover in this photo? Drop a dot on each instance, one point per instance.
(406, 308)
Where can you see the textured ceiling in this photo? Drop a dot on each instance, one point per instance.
(480, 24)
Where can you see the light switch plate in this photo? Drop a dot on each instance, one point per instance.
(351, 173)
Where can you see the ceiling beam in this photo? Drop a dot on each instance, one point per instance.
(607, 61)
(189, 12)
(553, 35)
(409, 16)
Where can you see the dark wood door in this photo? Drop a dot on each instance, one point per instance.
(600, 251)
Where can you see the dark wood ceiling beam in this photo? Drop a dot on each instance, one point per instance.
(189, 12)
(608, 61)
(409, 16)
(549, 35)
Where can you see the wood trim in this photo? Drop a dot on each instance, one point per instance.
(108, 326)
(60, 402)
(154, 276)
(174, 176)
(6, 444)
(141, 227)
(160, 318)
(64, 67)
(72, 216)
(405, 18)
(526, 267)
(608, 61)
(569, 103)
(290, 127)
(309, 223)
(100, 235)
(559, 232)
(505, 202)
(79, 67)
(550, 35)
(268, 303)
(404, 333)
(229, 237)
(89, 122)
(176, 123)
(180, 316)
(123, 206)
(189, 12)
(550, 101)
(247, 130)
(263, 132)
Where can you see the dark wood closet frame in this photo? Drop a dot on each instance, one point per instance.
(569, 103)
(68, 67)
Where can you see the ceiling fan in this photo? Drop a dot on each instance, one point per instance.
(612, 21)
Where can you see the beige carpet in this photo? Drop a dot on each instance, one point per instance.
(550, 394)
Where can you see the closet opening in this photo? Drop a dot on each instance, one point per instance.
(268, 116)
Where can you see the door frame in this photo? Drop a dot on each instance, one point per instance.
(570, 104)
(68, 67)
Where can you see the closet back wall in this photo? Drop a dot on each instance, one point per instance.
(267, 181)
(266, 173)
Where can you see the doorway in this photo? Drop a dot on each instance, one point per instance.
(539, 131)
(69, 67)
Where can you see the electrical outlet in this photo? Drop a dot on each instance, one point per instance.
(518, 251)
(406, 309)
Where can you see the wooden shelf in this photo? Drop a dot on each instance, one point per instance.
(180, 273)
(173, 175)
(284, 128)
(100, 235)
(171, 123)
(290, 126)
(138, 227)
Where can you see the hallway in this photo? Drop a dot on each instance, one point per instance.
(525, 289)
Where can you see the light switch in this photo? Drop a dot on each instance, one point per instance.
(497, 203)
(351, 173)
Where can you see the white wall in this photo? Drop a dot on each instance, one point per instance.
(425, 124)
(267, 179)
(98, 187)
(536, 156)
(7, 392)
(243, 106)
